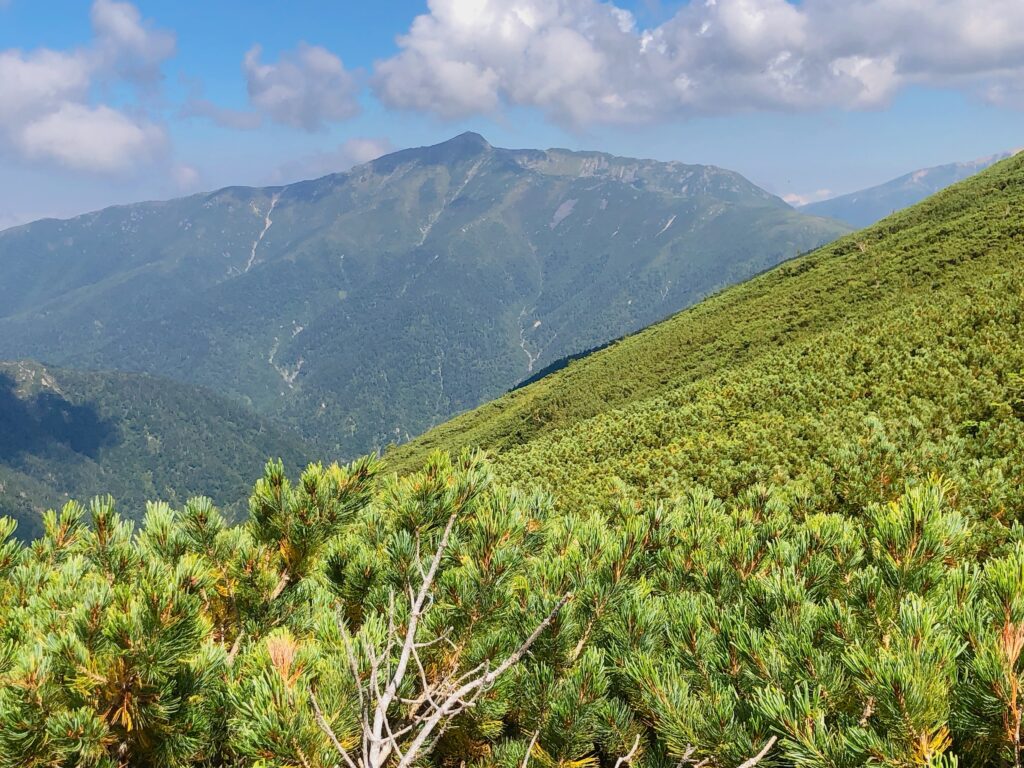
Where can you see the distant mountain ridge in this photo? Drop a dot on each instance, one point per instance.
(363, 307)
(865, 207)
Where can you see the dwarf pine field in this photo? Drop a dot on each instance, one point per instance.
(782, 528)
(891, 354)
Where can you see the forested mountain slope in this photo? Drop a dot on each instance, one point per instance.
(67, 434)
(864, 207)
(363, 307)
(891, 353)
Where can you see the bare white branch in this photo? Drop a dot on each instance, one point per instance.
(400, 736)
(628, 757)
(760, 755)
(529, 749)
(326, 728)
(478, 685)
(755, 760)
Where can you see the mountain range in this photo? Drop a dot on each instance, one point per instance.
(361, 308)
(865, 207)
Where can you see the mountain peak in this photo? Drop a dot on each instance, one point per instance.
(462, 147)
(866, 206)
(467, 144)
(469, 138)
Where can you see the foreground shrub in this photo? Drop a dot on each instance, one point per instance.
(443, 619)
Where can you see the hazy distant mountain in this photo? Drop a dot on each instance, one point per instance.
(363, 307)
(863, 208)
(77, 434)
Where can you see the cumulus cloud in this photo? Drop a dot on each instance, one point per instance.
(585, 61)
(306, 88)
(39, 81)
(355, 151)
(45, 111)
(88, 138)
(197, 105)
(127, 44)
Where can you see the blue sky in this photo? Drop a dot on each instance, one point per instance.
(108, 101)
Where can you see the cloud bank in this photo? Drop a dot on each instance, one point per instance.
(45, 111)
(583, 62)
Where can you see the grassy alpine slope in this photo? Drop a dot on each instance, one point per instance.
(892, 352)
(784, 525)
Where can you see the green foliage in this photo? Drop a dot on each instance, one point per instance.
(813, 547)
(705, 626)
(110, 660)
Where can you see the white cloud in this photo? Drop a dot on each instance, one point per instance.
(39, 81)
(355, 151)
(796, 199)
(359, 150)
(306, 88)
(238, 119)
(132, 47)
(46, 114)
(186, 178)
(86, 138)
(584, 61)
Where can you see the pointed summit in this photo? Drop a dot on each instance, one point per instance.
(468, 139)
(465, 146)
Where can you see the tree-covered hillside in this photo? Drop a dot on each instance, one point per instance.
(73, 434)
(364, 307)
(891, 353)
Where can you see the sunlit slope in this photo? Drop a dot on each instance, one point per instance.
(891, 353)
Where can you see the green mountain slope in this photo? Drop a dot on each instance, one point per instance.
(865, 207)
(67, 433)
(364, 307)
(891, 353)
